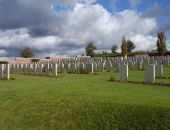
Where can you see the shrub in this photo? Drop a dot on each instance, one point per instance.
(112, 78)
(84, 71)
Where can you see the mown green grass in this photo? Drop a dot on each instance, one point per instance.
(83, 102)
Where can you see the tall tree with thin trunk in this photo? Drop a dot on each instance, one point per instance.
(161, 43)
(90, 48)
(124, 47)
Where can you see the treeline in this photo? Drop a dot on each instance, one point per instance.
(127, 46)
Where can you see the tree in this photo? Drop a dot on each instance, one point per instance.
(124, 47)
(27, 53)
(161, 43)
(114, 48)
(130, 45)
(90, 49)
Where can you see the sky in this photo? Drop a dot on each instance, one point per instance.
(64, 27)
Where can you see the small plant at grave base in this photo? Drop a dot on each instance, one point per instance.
(84, 71)
(73, 72)
(162, 83)
(112, 78)
(124, 81)
(163, 77)
(158, 77)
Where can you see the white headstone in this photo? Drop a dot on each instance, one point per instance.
(54, 68)
(150, 73)
(90, 67)
(40, 68)
(47, 69)
(123, 72)
(34, 68)
(1, 71)
(159, 70)
(7, 72)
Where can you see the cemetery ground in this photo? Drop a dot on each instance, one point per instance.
(82, 101)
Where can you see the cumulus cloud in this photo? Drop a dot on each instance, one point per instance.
(50, 32)
(3, 53)
(15, 40)
(155, 11)
(143, 42)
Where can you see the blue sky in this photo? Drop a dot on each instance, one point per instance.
(141, 6)
(125, 4)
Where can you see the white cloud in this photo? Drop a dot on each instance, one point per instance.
(86, 22)
(72, 2)
(144, 42)
(2, 53)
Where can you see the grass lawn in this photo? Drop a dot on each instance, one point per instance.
(83, 102)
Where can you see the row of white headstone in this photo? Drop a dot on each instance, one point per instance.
(4, 71)
(151, 71)
(49, 68)
(36, 69)
(92, 65)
